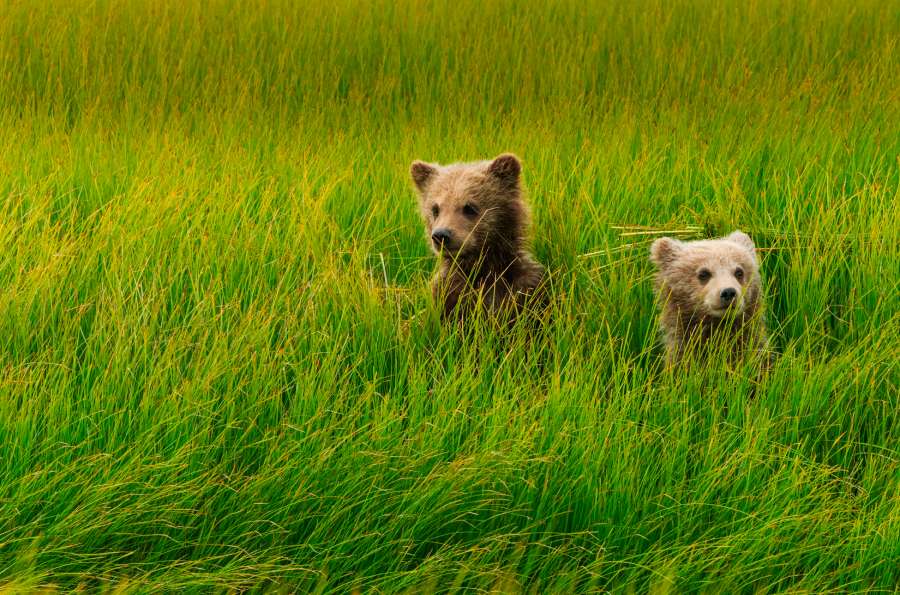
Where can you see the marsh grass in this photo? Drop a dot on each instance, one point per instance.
(220, 368)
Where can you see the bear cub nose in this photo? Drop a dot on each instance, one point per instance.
(440, 236)
(728, 294)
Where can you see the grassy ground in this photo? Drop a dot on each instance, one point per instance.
(219, 364)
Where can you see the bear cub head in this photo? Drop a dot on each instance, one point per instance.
(708, 278)
(471, 208)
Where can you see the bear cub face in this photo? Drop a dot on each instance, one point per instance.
(477, 223)
(710, 294)
(711, 278)
(468, 207)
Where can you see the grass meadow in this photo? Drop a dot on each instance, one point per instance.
(221, 369)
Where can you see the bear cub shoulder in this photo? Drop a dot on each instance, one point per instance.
(477, 223)
(709, 291)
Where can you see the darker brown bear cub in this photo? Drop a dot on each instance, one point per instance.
(710, 296)
(477, 224)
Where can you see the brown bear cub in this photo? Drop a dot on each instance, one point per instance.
(710, 294)
(477, 224)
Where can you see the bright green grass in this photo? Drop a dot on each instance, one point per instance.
(219, 365)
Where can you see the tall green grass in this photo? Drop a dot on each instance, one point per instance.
(219, 364)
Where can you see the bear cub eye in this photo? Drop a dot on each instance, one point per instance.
(704, 275)
(435, 210)
(470, 210)
(739, 274)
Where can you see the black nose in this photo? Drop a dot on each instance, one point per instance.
(440, 236)
(728, 294)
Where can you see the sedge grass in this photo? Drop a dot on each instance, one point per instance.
(219, 364)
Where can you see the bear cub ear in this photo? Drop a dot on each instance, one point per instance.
(665, 251)
(421, 172)
(741, 239)
(506, 168)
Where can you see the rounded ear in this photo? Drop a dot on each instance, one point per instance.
(665, 251)
(506, 168)
(421, 173)
(742, 239)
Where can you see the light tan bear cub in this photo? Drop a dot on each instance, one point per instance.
(710, 294)
(477, 224)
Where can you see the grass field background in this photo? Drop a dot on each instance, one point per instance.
(219, 362)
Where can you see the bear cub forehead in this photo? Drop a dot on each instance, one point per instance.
(479, 181)
(674, 257)
(714, 254)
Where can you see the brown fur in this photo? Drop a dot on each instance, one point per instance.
(484, 258)
(692, 312)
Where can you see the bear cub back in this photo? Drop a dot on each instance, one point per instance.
(477, 224)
